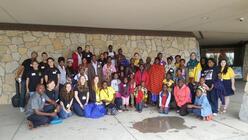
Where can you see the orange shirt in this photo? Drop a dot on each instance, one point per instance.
(182, 95)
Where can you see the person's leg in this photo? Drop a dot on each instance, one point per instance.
(132, 99)
(63, 114)
(183, 110)
(214, 100)
(227, 102)
(49, 108)
(78, 110)
(23, 94)
(38, 120)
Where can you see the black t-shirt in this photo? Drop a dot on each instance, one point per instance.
(27, 68)
(102, 62)
(65, 101)
(43, 66)
(34, 79)
(211, 74)
(70, 72)
(52, 74)
(82, 95)
(51, 94)
(87, 55)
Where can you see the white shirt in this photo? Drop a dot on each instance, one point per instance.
(95, 66)
(62, 79)
(79, 59)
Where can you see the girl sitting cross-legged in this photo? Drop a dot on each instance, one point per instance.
(66, 100)
(81, 97)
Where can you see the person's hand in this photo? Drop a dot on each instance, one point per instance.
(53, 114)
(190, 106)
(68, 110)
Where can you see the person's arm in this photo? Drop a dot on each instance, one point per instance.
(46, 78)
(194, 106)
(52, 102)
(42, 80)
(27, 84)
(19, 72)
(87, 98)
(77, 99)
(58, 79)
(69, 107)
(233, 84)
(38, 112)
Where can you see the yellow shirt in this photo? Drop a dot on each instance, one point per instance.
(107, 94)
(168, 83)
(136, 62)
(197, 72)
(98, 100)
(229, 74)
(177, 65)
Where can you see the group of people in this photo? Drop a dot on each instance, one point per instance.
(93, 86)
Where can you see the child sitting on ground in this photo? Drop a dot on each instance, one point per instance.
(201, 107)
(182, 97)
(169, 82)
(164, 100)
(140, 96)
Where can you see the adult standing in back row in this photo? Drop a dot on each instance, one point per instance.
(21, 76)
(87, 54)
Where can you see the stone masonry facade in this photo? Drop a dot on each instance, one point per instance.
(16, 46)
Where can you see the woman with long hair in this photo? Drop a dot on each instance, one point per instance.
(81, 97)
(228, 80)
(66, 100)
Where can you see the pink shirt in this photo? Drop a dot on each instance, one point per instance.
(182, 95)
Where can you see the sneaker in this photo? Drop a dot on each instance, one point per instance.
(215, 114)
(166, 110)
(22, 109)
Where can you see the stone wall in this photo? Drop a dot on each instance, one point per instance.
(245, 66)
(16, 46)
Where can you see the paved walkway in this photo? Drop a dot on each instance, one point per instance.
(120, 127)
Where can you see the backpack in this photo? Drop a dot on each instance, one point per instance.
(15, 100)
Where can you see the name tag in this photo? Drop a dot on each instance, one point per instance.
(124, 85)
(88, 55)
(54, 72)
(43, 100)
(42, 67)
(33, 74)
(84, 98)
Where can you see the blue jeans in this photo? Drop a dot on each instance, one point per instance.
(77, 109)
(139, 106)
(38, 120)
(118, 103)
(64, 115)
(213, 100)
(22, 94)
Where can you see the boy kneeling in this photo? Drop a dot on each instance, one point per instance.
(35, 113)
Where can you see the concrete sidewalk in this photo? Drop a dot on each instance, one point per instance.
(223, 127)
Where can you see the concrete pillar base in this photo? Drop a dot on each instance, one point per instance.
(243, 113)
